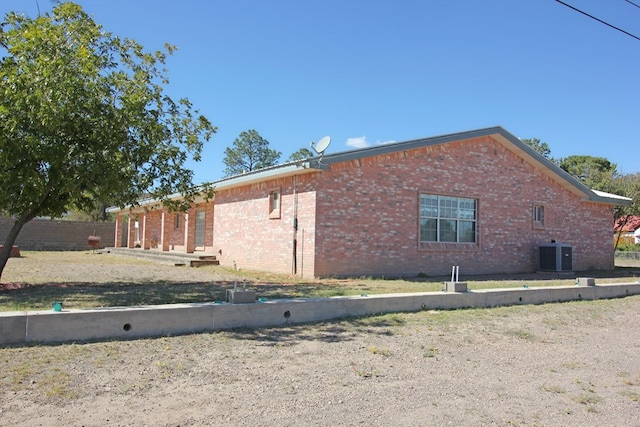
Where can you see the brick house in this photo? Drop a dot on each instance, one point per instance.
(481, 200)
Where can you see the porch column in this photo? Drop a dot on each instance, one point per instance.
(146, 241)
(131, 230)
(165, 233)
(118, 237)
(190, 231)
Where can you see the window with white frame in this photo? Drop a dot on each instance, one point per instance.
(447, 219)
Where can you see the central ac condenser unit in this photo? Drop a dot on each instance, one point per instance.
(555, 257)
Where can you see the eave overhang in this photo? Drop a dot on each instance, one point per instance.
(320, 163)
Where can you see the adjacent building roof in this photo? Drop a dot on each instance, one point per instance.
(628, 223)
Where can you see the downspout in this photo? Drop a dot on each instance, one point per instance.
(294, 261)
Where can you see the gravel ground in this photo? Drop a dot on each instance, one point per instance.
(571, 364)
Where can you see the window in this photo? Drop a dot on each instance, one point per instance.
(538, 215)
(177, 221)
(274, 204)
(447, 219)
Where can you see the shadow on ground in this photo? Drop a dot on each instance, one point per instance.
(115, 294)
(21, 296)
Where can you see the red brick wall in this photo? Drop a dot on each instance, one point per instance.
(250, 239)
(176, 237)
(367, 213)
(151, 229)
(208, 227)
(361, 217)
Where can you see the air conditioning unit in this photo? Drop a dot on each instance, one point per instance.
(555, 257)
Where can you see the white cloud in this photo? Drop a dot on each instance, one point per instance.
(357, 142)
(361, 142)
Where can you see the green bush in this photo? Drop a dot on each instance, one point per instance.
(628, 247)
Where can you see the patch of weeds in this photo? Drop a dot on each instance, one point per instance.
(429, 352)
(166, 369)
(573, 365)
(56, 384)
(141, 384)
(632, 395)
(391, 319)
(588, 387)
(20, 375)
(554, 389)
(554, 321)
(381, 351)
(521, 334)
(366, 372)
(627, 380)
(588, 399)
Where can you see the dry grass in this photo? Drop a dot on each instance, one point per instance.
(553, 364)
(87, 279)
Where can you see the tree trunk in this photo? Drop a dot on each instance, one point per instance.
(625, 220)
(11, 239)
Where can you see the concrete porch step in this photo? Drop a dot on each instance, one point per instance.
(171, 258)
(204, 262)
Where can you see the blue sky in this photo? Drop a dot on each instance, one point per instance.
(367, 72)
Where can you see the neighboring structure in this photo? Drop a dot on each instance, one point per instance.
(481, 200)
(628, 228)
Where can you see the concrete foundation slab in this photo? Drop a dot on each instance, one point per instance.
(150, 321)
(13, 327)
(136, 322)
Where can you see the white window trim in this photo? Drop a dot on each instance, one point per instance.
(438, 218)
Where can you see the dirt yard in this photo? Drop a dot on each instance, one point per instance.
(572, 364)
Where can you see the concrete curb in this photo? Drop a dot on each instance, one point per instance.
(177, 319)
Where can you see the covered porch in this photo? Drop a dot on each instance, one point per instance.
(155, 228)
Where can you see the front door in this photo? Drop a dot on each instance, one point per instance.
(199, 237)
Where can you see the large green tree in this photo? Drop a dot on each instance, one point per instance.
(249, 152)
(84, 117)
(539, 146)
(597, 173)
(301, 154)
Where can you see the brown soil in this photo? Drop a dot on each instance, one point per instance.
(572, 364)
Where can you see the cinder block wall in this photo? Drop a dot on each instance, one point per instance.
(48, 235)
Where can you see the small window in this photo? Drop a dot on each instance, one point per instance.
(274, 204)
(178, 221)
(538, 215)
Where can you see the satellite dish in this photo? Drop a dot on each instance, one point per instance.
(322, 145)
